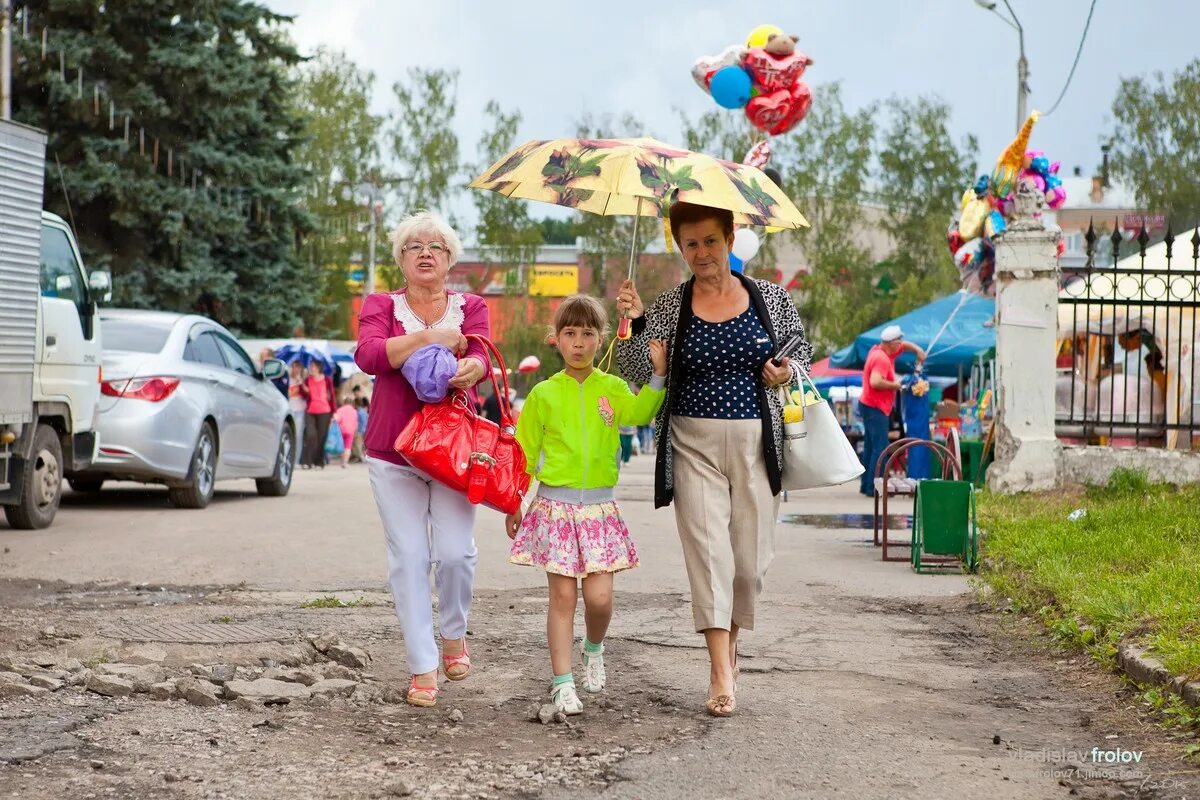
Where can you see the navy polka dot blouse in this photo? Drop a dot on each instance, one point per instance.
(722, 362)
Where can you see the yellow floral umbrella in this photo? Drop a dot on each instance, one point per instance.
(637, 177)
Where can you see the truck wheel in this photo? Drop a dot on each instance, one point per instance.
(281, 479)
(202, 475)
(41, 485)
(85, 485)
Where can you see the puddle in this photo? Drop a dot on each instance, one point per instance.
(864, 522)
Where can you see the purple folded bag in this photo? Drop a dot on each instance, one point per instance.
(429, 371)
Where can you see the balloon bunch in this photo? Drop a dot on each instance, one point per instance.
(988, 206)
(763, 77)
(1045, 177)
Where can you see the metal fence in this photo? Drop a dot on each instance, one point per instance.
(1127, 345)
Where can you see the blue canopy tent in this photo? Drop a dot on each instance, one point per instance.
(961, 324)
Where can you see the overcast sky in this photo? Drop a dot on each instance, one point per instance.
(553, 60)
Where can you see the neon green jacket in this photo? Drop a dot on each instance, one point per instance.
(574, 425)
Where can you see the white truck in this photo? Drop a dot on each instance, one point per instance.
(49, 340)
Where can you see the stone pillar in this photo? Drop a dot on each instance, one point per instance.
(1027, 452)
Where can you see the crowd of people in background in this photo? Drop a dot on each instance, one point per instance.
(330, 416)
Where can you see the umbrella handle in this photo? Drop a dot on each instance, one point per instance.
(625, 327)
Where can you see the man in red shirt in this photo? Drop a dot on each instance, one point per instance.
(879, 387)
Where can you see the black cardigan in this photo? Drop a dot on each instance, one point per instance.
(668, 318)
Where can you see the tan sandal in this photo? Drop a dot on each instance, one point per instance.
(723, 705)
(422, 696)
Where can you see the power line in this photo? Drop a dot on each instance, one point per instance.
(1078, 52)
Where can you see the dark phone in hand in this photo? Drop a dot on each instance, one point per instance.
(786, 349)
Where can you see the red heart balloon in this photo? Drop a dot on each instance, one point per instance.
(774, 72)
(801, 101)
(778, 111)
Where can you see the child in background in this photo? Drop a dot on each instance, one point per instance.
(573, 528)
(627, 433)
(346, 418)
(363, 406)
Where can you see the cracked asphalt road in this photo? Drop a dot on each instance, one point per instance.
(862, 680)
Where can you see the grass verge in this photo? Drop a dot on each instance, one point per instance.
(1129, 569)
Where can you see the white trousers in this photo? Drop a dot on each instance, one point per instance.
(426, 524)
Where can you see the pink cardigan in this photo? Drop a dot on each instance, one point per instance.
(393, 401)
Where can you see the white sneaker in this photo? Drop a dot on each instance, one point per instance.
(565, 699)
(593, 671)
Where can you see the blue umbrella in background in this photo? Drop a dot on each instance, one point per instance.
(290, 353)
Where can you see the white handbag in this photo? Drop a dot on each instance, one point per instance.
(816, 451)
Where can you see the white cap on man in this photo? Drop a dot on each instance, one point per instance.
(891, 333)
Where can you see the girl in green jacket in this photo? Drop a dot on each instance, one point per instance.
(573, 529)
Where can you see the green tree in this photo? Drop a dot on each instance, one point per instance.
(508, 238)
(340, 151)
(558, 231)
(422, 138)
(922, 173)
(214, 219)
(1156, 142)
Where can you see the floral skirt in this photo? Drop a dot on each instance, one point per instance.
(574, 540)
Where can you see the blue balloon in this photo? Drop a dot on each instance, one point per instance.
(730, 87)
(1053, 182)
(735, 263)
(1040, 165)
(999, 224)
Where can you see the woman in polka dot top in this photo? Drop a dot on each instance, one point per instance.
(720, 430)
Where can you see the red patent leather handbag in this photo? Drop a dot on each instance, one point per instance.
(467, 451)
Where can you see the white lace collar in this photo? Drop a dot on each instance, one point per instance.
(452, 318)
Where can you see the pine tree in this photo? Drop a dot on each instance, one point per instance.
(196, 209)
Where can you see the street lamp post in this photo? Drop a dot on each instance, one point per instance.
(1022, 62)
(373, 192)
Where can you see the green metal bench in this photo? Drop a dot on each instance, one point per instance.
(944, 533)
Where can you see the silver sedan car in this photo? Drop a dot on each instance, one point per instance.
(182, 404)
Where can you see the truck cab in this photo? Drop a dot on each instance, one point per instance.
(50, 347)
(68, 337)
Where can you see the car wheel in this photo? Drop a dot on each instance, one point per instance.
(85, 485)
(41, 485)
(285, 462)
(202, 477)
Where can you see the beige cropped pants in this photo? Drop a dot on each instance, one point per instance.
(725, 514)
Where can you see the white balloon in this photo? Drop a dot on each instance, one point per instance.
(745, 244)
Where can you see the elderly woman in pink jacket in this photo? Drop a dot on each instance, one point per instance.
(425, 522)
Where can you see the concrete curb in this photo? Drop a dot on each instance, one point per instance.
(1149, 671)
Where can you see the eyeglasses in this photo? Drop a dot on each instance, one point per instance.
(437, 248)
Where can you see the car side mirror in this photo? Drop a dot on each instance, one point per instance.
(100, 282)
(273, 369)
